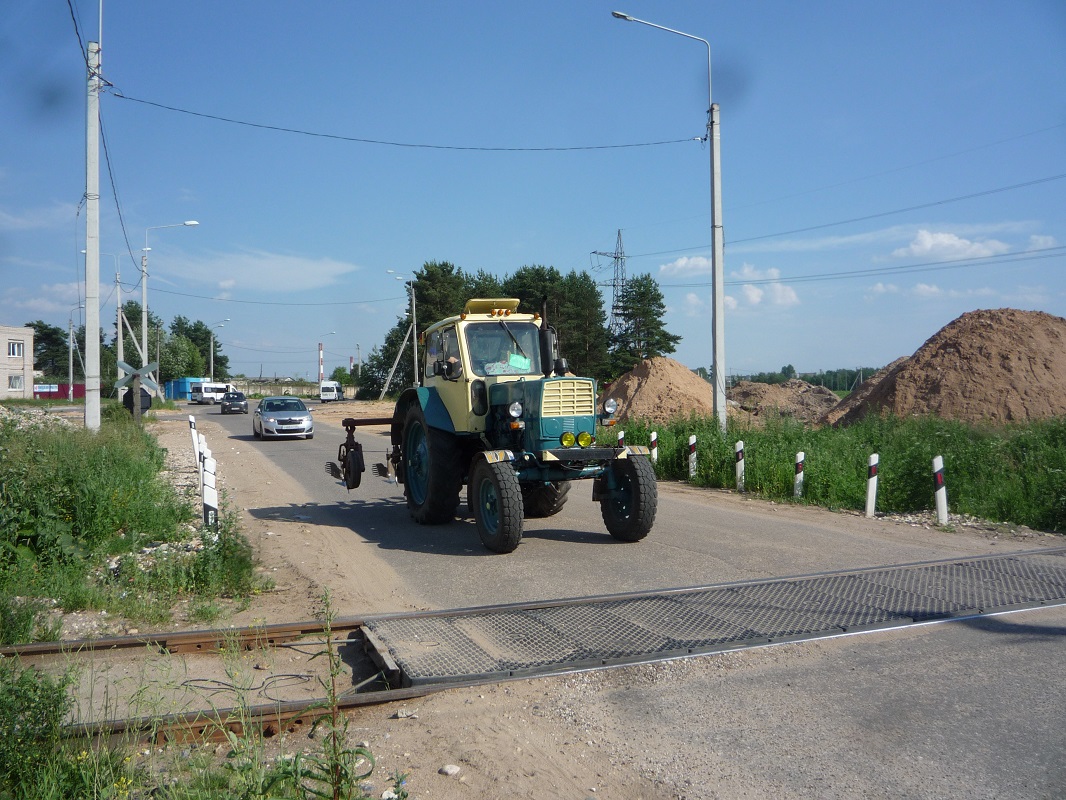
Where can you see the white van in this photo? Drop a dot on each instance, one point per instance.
(330, 390)
(210, 393)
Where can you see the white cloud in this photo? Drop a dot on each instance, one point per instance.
(927, 290)
(753, 294)
(55, 216)
(253, 269)
(749, 272)
(783, 296)
(884, 288)
(730, 303)
(769, 291)
(697, 265)
(1042, 242)
(695, 306)
(949, 246)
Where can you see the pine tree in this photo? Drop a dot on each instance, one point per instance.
(642, 333)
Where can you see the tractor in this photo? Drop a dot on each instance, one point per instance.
(497, 409)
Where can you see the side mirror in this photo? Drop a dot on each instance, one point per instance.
(453, 370)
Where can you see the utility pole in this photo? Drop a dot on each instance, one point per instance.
(92, 242)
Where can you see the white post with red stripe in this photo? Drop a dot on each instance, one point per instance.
(739, 448)
(871, 485)
(654, 447)
(797, 482)
(621, 438)
(692, 456)
(941, 490)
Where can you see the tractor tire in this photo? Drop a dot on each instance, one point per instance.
(497, 505)
(629, 508)
(544, 499)
(432, 472)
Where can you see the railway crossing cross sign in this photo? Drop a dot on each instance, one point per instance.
(143, 386)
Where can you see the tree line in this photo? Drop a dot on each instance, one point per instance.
(182, 350)
(575, 308)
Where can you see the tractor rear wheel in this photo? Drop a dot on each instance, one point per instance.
(432, 475)
(497, 505)
(632, 497)
(545, 499)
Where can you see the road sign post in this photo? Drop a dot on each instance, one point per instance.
(143, 386)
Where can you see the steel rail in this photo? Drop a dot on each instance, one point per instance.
(274, 717)
(254, 636)
(183, 642)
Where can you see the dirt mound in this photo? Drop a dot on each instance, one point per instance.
(862, 392)
(1000, 365)
(660, 389)
(794, 398)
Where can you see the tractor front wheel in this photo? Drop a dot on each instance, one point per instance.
(631, 499)
(496, 498)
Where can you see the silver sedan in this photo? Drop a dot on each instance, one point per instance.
(282, 417)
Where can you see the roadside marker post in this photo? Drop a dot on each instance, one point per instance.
(692, 456)
(797, 483)
(210, 495)
(871, 485)
(739, 448)
(654, 447)
(195, 448)
(941, 490)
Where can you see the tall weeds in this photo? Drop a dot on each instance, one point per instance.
(1010, 473)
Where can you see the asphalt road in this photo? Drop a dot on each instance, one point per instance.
(969, 709)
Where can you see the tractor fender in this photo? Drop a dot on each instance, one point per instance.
(433, 407)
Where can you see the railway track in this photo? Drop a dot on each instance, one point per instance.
(198, 648)
(396, 657)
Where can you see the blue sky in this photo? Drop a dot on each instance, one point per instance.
(885, 166)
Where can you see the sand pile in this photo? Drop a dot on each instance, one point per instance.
(1000, 365)
(661, 389)
(794, 398)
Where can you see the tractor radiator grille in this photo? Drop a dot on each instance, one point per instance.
(566, 398)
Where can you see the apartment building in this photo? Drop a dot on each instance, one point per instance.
(16, 367)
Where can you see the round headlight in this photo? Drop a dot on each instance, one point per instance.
(610, 405)
(515, 409)
(567, 439)
(584, 438)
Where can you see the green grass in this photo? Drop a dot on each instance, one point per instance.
(76, 509)
(1011, 473)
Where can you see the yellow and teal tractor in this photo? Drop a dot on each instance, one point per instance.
(497, 409)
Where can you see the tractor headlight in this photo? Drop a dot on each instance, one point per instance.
(584, 439)
(515, 410)
(610, 405)
(567, 439)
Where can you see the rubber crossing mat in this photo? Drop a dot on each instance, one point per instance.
(558, 636)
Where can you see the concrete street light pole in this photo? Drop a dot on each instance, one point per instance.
(144, 285)
(717, 245)
(216, 325)
(414, 324)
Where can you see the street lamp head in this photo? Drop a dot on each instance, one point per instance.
(620, 15)
(190, 222)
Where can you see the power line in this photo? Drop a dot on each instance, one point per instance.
(413, 145)
(930, 204)
(904, 210)
(270, 303)
(929, 266)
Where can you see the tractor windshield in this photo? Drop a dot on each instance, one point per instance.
(504, 348)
